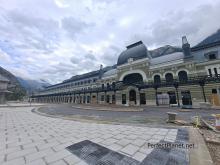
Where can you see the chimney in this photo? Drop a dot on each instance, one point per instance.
(100, 71)
(186, 47)
(101, 67)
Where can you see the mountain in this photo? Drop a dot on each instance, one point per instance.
(167, 49)
(33, 85)
(18, 92)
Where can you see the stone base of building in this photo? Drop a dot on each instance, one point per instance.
(184, 96)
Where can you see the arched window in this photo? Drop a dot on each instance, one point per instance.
(169, 77)
(113, 85)
(157, 79)
(133, 78)
(108, 85)
(182, 76)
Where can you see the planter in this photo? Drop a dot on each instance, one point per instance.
(171, 116)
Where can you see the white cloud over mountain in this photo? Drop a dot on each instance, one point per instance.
(56, 39)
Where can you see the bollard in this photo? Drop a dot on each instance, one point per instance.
(217, 121)
(171, 116)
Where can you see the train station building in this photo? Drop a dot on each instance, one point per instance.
(178, 76)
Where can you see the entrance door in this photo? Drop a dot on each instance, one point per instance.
(142, 98)
(107, 98)
(186, 98)
(113, 99)
(132, 96)
(94, 100)
(172, 96)
(80, 99)
(123, 98)
(88, 99)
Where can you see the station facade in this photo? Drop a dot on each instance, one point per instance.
(165, 76)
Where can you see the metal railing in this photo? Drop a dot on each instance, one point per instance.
(119, 85)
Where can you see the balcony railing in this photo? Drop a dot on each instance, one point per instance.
(196, 80)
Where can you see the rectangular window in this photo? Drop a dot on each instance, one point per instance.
(210, 72)
(88, 99)
(102, 98)
(214, 91)
(107, 98)
(142, 98)
(113, 99)
(215, 71)
(123, 98)
(212, 57)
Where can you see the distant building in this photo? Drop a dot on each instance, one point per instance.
(3, 88)
(168, 75)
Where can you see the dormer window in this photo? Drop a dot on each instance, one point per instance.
(130, 60)
(211, 55)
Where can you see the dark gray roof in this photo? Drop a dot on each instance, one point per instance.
(84, 76)
(211, 40)
(136, 51)
(89, 74)
(167, 58)
(4, 79)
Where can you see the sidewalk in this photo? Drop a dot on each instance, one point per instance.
(20, 104)
(28, 138)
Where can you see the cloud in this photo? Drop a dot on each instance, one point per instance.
(61, 3)
(74, 26)
(30, 32)
(4, 57)
(56, 39)
(196, 24)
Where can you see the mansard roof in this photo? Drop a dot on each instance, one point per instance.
(167, 58)
(210, 41)
(84, 76)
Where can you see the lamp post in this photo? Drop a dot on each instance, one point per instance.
(176, 85)
(97, 99)
(202, 84)
(155, 87)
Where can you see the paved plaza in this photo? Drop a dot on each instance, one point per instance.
(149, 115)
(29, 138)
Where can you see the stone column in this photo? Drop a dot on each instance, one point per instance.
(85, 98)
(2, 98)
(97, 97)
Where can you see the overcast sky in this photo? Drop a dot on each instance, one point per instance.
(56, 39)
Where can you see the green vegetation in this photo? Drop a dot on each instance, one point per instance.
(17, 93)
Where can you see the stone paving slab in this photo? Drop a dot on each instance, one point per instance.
(29, 138)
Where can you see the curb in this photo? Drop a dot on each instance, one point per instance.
(112, 109)
(200, 154)
(35, 110)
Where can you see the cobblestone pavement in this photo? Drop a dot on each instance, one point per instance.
(28, 138)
